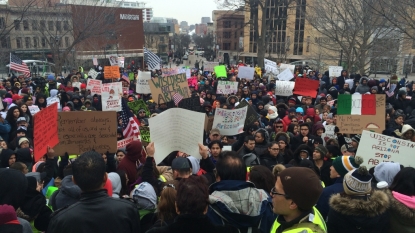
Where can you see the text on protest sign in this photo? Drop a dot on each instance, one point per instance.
(163, 88)
(227, 87)
(271, 66)
(306, 87)
(284, 88)
(176, 129)
(377, 148)
(33, 109)
(210, 66)
(79, 133)
(137, 105)
(246, 72)
(230, 121)
(142, 85)
(45, 130)
(286, 75)
(123, 143)
(145, 133)
(111, 96)
(93, 73)
(335, 71)
(94, 86)
(111, 72)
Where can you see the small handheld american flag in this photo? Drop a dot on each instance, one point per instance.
(130, 123)
(177, 98)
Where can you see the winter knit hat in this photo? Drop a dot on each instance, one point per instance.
(322, 149)
(8, 215)
(386, 171)
(356, 138)
(357, 182)
(344, 164)
(299, 180)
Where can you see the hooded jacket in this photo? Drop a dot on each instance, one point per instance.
(5, 156)
(241, 204)
(363, 88)
(353, 214)
(68, 194)
(402, 217)
(116, 184)
(131, 160)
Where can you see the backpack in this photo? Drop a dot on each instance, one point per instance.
(225, 222)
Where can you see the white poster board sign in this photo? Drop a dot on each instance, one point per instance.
(33, 109)
(93, 73)
(142, 86)
(286, 75)
(230, 121)
(329, 133)
(227, 87)
(210, 66)
(121, 61)
(95, 61)
(111, 94)
(285, 66)
(246, 72)
(94, 86)
(52, 100)
(271, 66)
(376, 148)
(284, 88)
(176, 129)
(113, 60)
(335, 71)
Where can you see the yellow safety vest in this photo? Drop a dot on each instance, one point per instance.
(162, 178)
(318, 222)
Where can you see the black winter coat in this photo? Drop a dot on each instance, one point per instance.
(269, 161)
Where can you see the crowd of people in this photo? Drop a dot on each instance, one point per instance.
(279, 175)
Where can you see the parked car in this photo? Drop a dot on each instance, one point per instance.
(185, 57)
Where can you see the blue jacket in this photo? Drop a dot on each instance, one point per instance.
(5, 128)
(323, 201)
(241, 205)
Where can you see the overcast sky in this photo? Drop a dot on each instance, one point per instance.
(183, 10)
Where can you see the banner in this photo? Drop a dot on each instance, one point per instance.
(354, 124)
(45, 130)
(90, 130)
(94, 86)
(336, 71)
(229, 121)
(227, 87)
(210, 66)
(271, 66)
(284, 88)
(306, 87)
(176, 70)
(111, 94)
(142, 86)
(163, 88)
(111, 72)
(123, 143)
(286, 75)
(246, 72)
(377, 148)
(176, 129)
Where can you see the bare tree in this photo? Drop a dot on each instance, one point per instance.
(152, 41)
(12, 15)
(265, 17)
(354, 27)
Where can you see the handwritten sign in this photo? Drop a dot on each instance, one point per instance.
(111, 96)
(284, 88)
(251, 115)
(210, 66)
(142, 85)
(93, 73)
(354, 124)
(94, 86)
(123, 143)
(285, 66)
(286, 75)
(52, 100)
(335, 71)
(137, 105)
(111, 72)
(45, 130)
(230, 121)
(329, 133)
(163, 88)
(246, 72)
(271, 66)
(33, 109)
(220, 71)
(145, 133)
(381, 148)
(306, 87)
(176, 129)
(83, 132)
(227, 87)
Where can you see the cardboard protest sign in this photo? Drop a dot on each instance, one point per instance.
(163, 88)
(94, 86)
(93, 73)
(176, 129)
(111, 72)
(137, 105)
(335, 71)
(284, 88)
(192, 104)
(208, 123)
(246, 72)
(306, 87)
(83, 132)
(111, 94)
(142, 86)
(45, 132)
(220, 71)
(286, 75)
(145, 133)
(123, 143)
(227, 87)
(354, 124)
(230, 121)
(251, 115)
(271, 66)
(33, 109)
(356, 104)
(285, 66)
(377, 148)
(113, 60)
(210, 66)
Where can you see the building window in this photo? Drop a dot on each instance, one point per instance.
(66, 41)
(19, 42)
(35, 42)
(51, 42)
(227, 35)
(235, 35)
(17, 25)
(25, 25)
(65, 25)
(43, 42)
(34, 25)
(2, 23)
(307, 49)
(227, 46)
(42, 25)
(27, 42)
(5, 42)
(235, 46)
(299, 27)
(50, 25)
(161, 38)
(226, 24)
(58, 26)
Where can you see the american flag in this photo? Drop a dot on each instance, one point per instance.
(177, 98)
(153, 61)
(130, 123)
(125, 77)
(18, 65)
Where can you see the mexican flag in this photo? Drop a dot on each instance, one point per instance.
(356, 104)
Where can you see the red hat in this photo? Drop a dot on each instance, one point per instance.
(17, 97)
(83, 86)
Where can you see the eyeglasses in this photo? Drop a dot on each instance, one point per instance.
(273, 192)
(278, 126)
